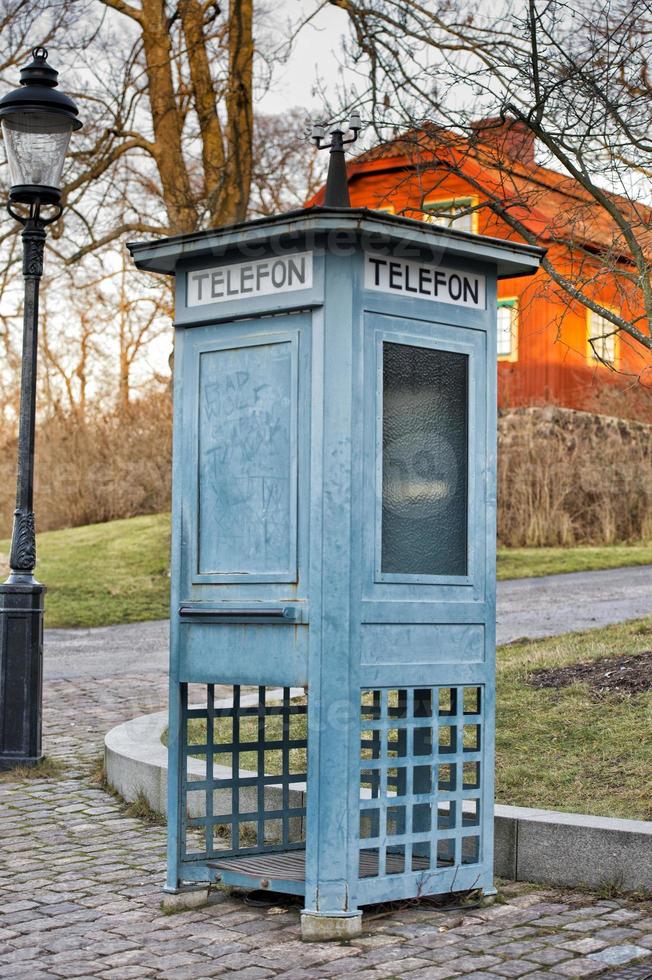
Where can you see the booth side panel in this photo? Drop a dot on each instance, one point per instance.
(175, 768)
(490, 587)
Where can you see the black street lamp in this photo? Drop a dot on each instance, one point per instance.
(36, 125)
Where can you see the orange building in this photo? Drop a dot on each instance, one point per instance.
(551, 348)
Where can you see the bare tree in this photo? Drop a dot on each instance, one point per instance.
(169, 145)
(142, 317)
(286, 170)
(575, 74)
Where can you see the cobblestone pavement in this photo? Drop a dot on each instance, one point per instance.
(80, 893)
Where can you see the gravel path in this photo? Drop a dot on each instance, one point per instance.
(533, 607)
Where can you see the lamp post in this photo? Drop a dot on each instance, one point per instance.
(36, 125)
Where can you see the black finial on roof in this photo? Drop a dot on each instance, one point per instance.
(337, 185)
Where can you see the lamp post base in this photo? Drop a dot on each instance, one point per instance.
(21, 672)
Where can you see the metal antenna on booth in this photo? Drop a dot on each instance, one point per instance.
(337, 185)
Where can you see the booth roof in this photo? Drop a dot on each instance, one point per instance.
(511, 259)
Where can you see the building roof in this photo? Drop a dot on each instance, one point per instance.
(551, 205)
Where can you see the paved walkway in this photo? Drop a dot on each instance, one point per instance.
(80, 893)
(532, 608)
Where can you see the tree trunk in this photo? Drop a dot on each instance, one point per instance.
(166, 118)
(240, 114)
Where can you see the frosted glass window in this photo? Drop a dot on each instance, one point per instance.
(425, 445)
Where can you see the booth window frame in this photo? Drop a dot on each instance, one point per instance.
(418, 332)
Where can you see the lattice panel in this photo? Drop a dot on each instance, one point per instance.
(421, 779)
(250, 794)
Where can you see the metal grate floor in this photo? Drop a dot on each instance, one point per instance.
(291, 865)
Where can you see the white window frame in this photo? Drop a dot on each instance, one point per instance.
(601, 339)
(442, 211)
(509, 303)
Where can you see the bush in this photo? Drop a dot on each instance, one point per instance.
(105, 467)
(568, 477)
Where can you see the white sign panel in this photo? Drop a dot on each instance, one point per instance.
(409, 277)
(259, 277)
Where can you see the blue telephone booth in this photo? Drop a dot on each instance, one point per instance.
(332, 662)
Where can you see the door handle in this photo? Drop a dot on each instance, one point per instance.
(277, 614)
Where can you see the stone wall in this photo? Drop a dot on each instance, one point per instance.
(569, 477)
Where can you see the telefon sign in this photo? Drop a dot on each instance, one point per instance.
(424, 281)
(219, 284)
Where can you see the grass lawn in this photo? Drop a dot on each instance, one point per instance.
(105, 573)
(527, 562)
(117, 572)
(562, 749)
(571, 748)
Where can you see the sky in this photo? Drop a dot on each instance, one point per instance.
(316, 56)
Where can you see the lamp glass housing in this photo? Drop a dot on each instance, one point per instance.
(36, 144)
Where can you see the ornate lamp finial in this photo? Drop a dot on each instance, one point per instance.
(337, 185)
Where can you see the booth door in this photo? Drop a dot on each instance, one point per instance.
(427, 606)
(243, 504)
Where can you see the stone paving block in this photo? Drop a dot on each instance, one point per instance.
(548, 975)
(299, 974)
(34, 975)
(589, 944)
(18, 955)
(550, 955)
(482, 975)
(554, 921)
(617, 955)
(623, 915)
(467, 964)
(375, 940)
(198, 971)
(127, 957)
(434, 973)
(580, 967)
(343, 967)
(515, 968)
(481, 943)
(252, 973)
(618, 934)
(21, 906)
(518, 948)
(127, 973)
(585, 925)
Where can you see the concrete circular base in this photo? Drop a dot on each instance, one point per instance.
(136, 763)
(318, 927)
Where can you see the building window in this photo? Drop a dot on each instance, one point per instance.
(451, 213)
(602, 338)
(507, 340)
